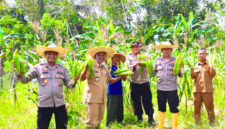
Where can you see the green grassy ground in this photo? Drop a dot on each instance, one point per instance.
(22, 115)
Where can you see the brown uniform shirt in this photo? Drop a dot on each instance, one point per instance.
(203, 78)
(131, 59)
(96, 88)
(50, 86)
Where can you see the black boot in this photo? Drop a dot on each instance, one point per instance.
(151, 121)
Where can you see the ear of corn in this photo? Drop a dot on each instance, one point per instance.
(78, 68)
(178, 63)
(142, 66)
(123, 70)
(149, 66)
(22, 66)
(212, 60)
(16, 61)
(90, 64)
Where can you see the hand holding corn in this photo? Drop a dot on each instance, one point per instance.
(19, 63)
(212, 60)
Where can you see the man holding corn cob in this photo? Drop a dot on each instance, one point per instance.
(140, 87)
(96, 86)
(51, 77)
(203, 75)
(115, 93)
(167, 83)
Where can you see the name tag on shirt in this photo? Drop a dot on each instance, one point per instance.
(96, 71)
(159, 67)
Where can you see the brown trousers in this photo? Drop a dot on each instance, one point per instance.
(95, 114)
(207, 99)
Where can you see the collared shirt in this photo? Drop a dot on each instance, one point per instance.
(166, 81)
(50, 86)
(203, 78)
(115, 88)
(131, 59)
(96, 88)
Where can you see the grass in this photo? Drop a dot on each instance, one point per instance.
(23, 114)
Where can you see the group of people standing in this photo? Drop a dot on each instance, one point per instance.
(105, 88)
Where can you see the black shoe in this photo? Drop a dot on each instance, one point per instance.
(152, 122)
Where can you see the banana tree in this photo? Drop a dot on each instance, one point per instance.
(174, 31)
(187, 27)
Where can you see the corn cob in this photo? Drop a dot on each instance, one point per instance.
(125, 73)
(78, 68)
(178, 63)
(90, 64)
(75, 69)
(16, 61)
(212, 60)
(22, 66)
(123, 70)
(149, 66)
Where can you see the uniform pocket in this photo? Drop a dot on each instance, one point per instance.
(59, 78)
(170, 71)
(44, 79)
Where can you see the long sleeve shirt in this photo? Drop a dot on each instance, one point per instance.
(50, 83)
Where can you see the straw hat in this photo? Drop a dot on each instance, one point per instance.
(42, 49)
(122, 57)
(165, 45)
(109, 52)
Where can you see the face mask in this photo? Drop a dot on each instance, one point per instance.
(102, 64)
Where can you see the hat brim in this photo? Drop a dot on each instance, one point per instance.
(42, 49)
(109, 52)
(122, 57)
(161, 46)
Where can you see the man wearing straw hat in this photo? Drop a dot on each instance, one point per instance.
(51, 77)
(96, 87)
(140, 89)
(167, 83)
(203, 75)
(115, 93)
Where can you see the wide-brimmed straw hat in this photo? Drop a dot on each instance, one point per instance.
(109, 52)
(42, 49)
(165, 45)
(122, 57)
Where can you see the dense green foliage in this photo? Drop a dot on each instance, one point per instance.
(85, 24)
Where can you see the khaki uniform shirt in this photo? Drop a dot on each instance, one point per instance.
(96, 88)
(131, 59)
(203, 78)
(166, 81)
(50, 86)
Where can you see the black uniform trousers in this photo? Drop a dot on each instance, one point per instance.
(142, 93)
(114, 108)
(45, 114)
(171, 97)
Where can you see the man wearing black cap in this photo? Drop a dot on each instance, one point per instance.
(140, 88)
